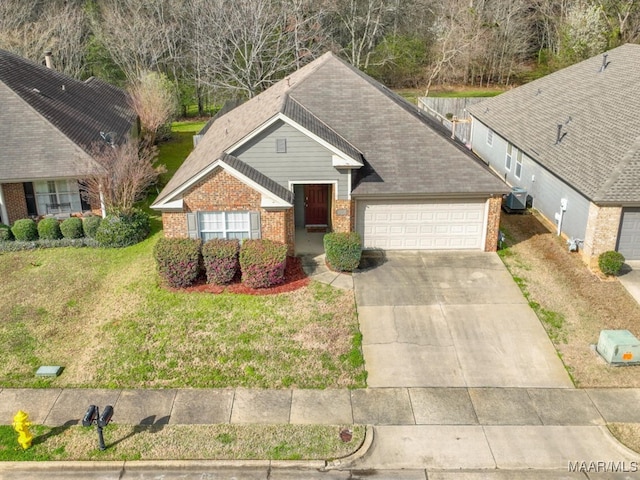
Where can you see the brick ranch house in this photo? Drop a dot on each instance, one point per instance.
(48, 125)
(330, 149)
(572, 140)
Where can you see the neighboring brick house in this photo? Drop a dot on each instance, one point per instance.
(329, 148)
(48, 125)
(572, 141)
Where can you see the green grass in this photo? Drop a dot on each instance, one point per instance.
(457, 93)
(136, 333)
(188, 126)
(173, 152)
(182, 442)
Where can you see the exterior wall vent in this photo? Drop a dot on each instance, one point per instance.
(281, 145)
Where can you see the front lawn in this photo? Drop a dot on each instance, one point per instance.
(102, 315)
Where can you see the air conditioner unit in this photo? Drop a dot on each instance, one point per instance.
(619, 347)
(517, 199)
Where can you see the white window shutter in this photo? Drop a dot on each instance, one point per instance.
(254, 222)
(192, 225)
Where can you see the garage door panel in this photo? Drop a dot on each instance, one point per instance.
(420, 225)
(629, 239)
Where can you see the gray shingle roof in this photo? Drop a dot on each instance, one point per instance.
(259, 178)
(48, 121)
(600, 153)
(403, 153)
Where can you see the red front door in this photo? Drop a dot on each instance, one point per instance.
(316, 203)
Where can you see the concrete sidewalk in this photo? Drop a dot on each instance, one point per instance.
(380, 406)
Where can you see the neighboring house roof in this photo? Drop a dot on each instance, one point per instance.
(49, 121)
(599, 154)
(403, 151)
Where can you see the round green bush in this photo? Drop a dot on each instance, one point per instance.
(5, 233)
(124, 229)
(90, 226)
(25, 230)
(343, 250)
(49, 229)
(610, 262)
(71, 228)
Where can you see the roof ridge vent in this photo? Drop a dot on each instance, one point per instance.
(605, 64)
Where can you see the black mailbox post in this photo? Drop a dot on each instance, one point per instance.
(93, 416)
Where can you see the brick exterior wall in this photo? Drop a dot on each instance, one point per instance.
(15, 201)
(601, 235)
(493, 224)
(223, 192)
(342, 223)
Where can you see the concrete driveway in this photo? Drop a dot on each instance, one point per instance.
(450, 319)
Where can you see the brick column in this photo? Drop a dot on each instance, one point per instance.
(15, 201)
(493, 224)
(602, 232)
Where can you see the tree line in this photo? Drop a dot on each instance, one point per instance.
(214, 49)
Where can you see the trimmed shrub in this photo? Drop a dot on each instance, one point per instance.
(32, 245)
(343, 250)
(220, 259)
(5, 233)
(90, 226)
(71, 228)
(610, 262)
(49, 229)
(25, 230)
(262, 263)
(122, 230)
(178, 260)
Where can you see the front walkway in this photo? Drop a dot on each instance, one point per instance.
(380, 406)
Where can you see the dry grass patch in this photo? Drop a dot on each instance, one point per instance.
(627, 433)
(184, 442)
(573, 303)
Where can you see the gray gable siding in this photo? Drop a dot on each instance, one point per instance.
(546, 189)
(305, 160)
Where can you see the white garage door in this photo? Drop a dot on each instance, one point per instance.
(420, 225)
(629, 239)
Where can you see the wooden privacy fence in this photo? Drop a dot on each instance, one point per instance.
(452, 113)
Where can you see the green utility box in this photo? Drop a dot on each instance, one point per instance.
(619, 347)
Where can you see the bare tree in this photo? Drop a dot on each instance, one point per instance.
(154, 101)
(140, 36)
(359, 25)
(129, 170)
(32, 27)
(244, 46)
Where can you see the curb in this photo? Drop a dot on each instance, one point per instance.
(363, 449)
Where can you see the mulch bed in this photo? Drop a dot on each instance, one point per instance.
(294, 279)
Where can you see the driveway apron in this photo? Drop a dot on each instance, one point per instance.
(450, 319)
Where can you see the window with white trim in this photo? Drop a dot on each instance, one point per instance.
(490, 137)
(227, 225)
(55, 196)
(507, 159)
(518, 172)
